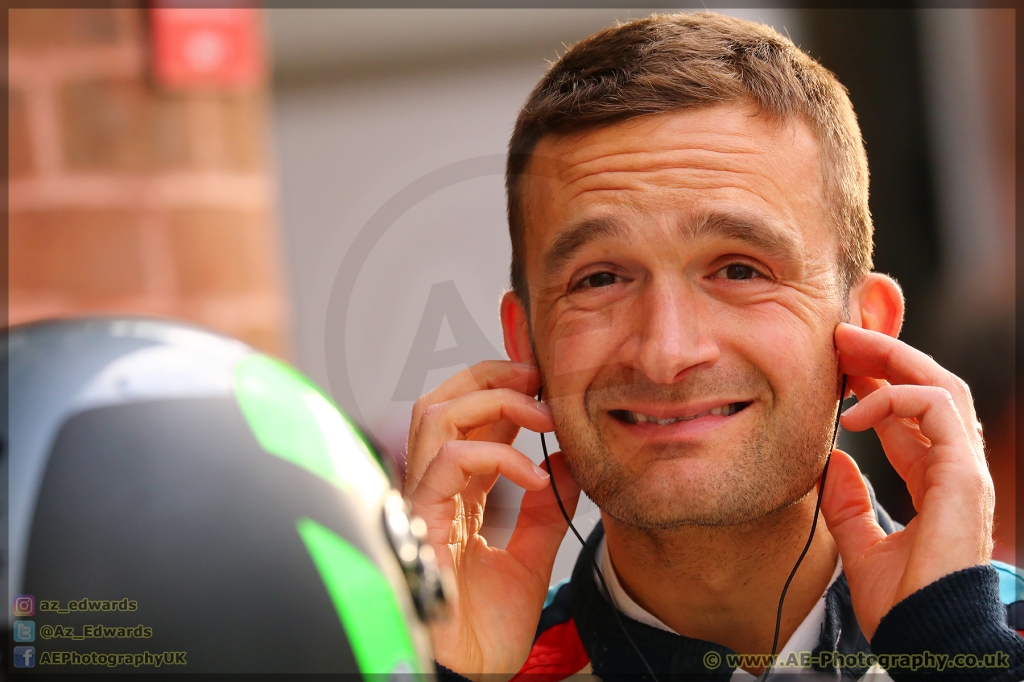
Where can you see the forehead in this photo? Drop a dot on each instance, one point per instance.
(721, 159)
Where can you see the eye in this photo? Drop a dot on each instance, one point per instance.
(598, 279)
(739, 271)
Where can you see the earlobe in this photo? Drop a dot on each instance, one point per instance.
(876, 303)
(515, 329)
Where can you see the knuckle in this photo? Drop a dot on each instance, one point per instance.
(419, 407)
(459, 453)
(941, 393)
(508, 395)
(433, 413)
(442, 456)
(484, 370)
(415, 499)
(486, 366)
(886, 390)
(445, 458)
(983, 488)
(961, 387)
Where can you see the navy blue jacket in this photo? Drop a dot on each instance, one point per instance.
(973, 613)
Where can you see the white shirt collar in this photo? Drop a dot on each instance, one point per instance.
(804, 638)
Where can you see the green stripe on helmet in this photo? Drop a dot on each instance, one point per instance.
(292, 419)
(364, 600)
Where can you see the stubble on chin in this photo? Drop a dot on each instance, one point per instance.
(769, 468)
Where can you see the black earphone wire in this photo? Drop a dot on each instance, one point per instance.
(814, 525)
(590, 555)
(785, 589)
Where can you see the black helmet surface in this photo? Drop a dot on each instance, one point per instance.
(180, 502)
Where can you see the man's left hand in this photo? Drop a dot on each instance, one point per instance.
(925, 419)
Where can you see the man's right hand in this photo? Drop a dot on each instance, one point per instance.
(460, 440)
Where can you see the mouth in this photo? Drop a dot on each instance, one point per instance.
(630, 417)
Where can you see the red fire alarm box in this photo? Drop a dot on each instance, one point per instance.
(207, 48)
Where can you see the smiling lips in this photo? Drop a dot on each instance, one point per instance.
(630, 417)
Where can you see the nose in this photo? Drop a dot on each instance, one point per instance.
(671, 334)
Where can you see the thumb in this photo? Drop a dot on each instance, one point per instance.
(541, 527)
(846, 506)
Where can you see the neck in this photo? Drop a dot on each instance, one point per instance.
(723, 584)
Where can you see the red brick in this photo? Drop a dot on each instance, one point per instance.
(219, 266)
(39, 29)
(222, 251)
(19, 160)
(269, 339)
(227, 130)
(256, 318)
(246, 131)
(82, 254)
(122, 125)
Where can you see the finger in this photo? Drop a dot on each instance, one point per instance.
(862, 386)
(501, 432)
(846, 507)
(906, 449)
(475, 494)
(541, 527)
(866, 353)
(949, 463)
(901, 438)
(919, 427)
(932, 406)
(870, 353)
(458, 462)
(521, 377)
(454, 419)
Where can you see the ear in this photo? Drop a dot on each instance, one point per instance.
(516, 329)
(876, 303)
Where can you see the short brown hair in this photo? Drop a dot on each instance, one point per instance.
(665, 63)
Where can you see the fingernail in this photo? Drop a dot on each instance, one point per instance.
(850, 409)
(541, 474)
(543, 407)
(525, 366)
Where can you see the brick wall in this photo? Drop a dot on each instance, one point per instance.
(124, 198)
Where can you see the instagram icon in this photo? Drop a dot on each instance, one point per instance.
(24, 605)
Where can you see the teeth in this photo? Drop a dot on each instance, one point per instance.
(723, 411)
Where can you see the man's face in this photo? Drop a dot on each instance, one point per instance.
(684, 290)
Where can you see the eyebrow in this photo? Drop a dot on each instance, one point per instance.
(578, 235)
(763, 235)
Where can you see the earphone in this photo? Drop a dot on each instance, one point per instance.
(782, 597)
(558, 498)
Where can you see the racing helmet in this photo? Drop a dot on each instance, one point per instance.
(181, 502)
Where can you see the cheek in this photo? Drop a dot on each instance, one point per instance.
(582, 346)
(780, 344)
